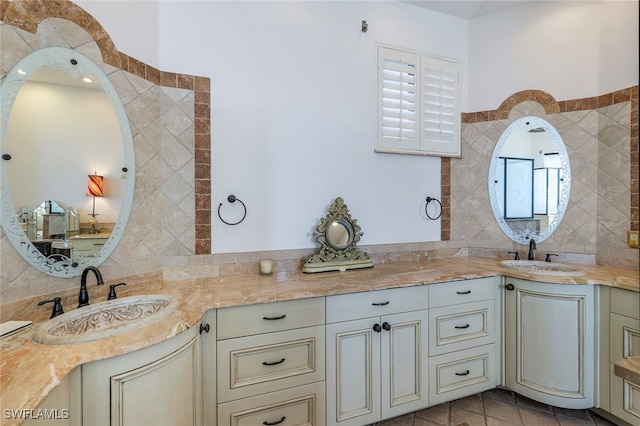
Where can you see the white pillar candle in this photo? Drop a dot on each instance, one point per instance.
(266, 267)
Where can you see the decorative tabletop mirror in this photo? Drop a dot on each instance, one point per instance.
(338, 233)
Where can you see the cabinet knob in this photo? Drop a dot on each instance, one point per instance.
(510, 287)
(386, 326)
(377, 328)
(205, 328)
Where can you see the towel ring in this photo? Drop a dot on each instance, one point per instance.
(232, 199)
(430, 199)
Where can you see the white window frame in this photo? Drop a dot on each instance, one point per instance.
(418, 108)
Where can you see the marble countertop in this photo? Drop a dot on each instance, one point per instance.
(628, 369)
(28, 371)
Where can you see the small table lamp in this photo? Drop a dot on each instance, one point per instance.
(95, 189)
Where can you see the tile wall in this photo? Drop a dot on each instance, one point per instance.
(601, 136)
(169, 115)
(170, 226)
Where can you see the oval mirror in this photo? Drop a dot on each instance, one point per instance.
(68, 170)
(339, 233)
(529, 180)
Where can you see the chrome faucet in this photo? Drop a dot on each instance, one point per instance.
(532, 247)
(83, 298)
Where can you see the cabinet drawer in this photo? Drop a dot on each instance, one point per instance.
(462, 291)
(252, 365)
(347, 307)
(268, 317)
(452, 328)
(464, 373)
(625, 302)
(625, 399)
(303, 405)
(624, 338)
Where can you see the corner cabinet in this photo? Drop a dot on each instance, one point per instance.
(549, 335)
(377, 349)
(161, 384)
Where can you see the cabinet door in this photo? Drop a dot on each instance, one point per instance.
(404, 354)
(353, 373)
(163, 392)
(159, 385)
(550, 343)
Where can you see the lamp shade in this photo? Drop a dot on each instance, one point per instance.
(96, 186)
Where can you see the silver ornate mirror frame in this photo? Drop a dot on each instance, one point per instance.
(338, 233)
(59, 58)
(523, 236)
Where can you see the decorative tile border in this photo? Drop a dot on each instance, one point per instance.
(27, 15)
(551, 106)
(445, 198)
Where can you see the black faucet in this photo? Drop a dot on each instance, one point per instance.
(57, 306)
(83, 298)
(532, 247)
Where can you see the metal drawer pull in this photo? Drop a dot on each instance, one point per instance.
(274, 318)
(274, 423)
(463, 292)
(273, 363)
(464, 373)
(462, 326)
(380, 303)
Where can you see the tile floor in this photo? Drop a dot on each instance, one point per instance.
(497, 407)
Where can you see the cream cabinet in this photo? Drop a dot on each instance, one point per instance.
(62, 407)
(549, 330)
(624, 342)
(87, 245)
(377, 347)
(158, 385)
(464, 322)
(271, 364)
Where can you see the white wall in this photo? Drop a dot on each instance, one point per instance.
(132, 25)
(293, 114)
(570, 49)
(293, 105)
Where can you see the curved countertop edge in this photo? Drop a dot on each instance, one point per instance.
(29, 371)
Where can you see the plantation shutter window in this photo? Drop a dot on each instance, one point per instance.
(418, 109)
(400, 100)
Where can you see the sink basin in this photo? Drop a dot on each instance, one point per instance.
(104, 319)
(542, 268)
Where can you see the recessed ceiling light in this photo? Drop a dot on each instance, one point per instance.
(22, 72)
(87, 80)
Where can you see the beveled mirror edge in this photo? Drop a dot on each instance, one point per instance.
(530, 122)
(58, 57)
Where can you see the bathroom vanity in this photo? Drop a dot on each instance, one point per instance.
(342, 348)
